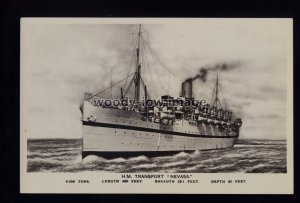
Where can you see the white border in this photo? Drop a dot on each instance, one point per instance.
(255, 183)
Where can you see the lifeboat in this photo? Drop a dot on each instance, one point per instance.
(202, 118)
(210, 120)
(217, 122)
(167, 116)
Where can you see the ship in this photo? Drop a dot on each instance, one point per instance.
(169, 126)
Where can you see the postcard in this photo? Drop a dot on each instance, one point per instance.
(156, 105)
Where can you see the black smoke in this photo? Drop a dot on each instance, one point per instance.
(202, 76)
(218, 67)
(224, 66)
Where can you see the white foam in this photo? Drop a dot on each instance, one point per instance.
(90, 158)
(117, 160)
(145, 166)
(78, 159)
(173, 163)
(139, 158)
(223, 166)
(181, 154)
(197, 152)
(191, 168)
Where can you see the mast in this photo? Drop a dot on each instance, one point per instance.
(122, 94)
(215, 103)
(138, 68)
(146, 95)
(217, 90)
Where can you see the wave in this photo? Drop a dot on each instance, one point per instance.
(152, 165)
(181, 154)
(173, 163)
(116, 160)
(246, 157)
(139, 158)
(90, 159)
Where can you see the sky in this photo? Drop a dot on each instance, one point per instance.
(63, 59)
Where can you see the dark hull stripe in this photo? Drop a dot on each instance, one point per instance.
(117, 126)
(128, 154)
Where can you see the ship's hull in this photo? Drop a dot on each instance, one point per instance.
(119, 133)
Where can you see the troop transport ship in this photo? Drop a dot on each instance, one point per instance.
(137, 129)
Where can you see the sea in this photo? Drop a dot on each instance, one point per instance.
(247, 156)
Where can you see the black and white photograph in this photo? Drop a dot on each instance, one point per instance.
(157, 100)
